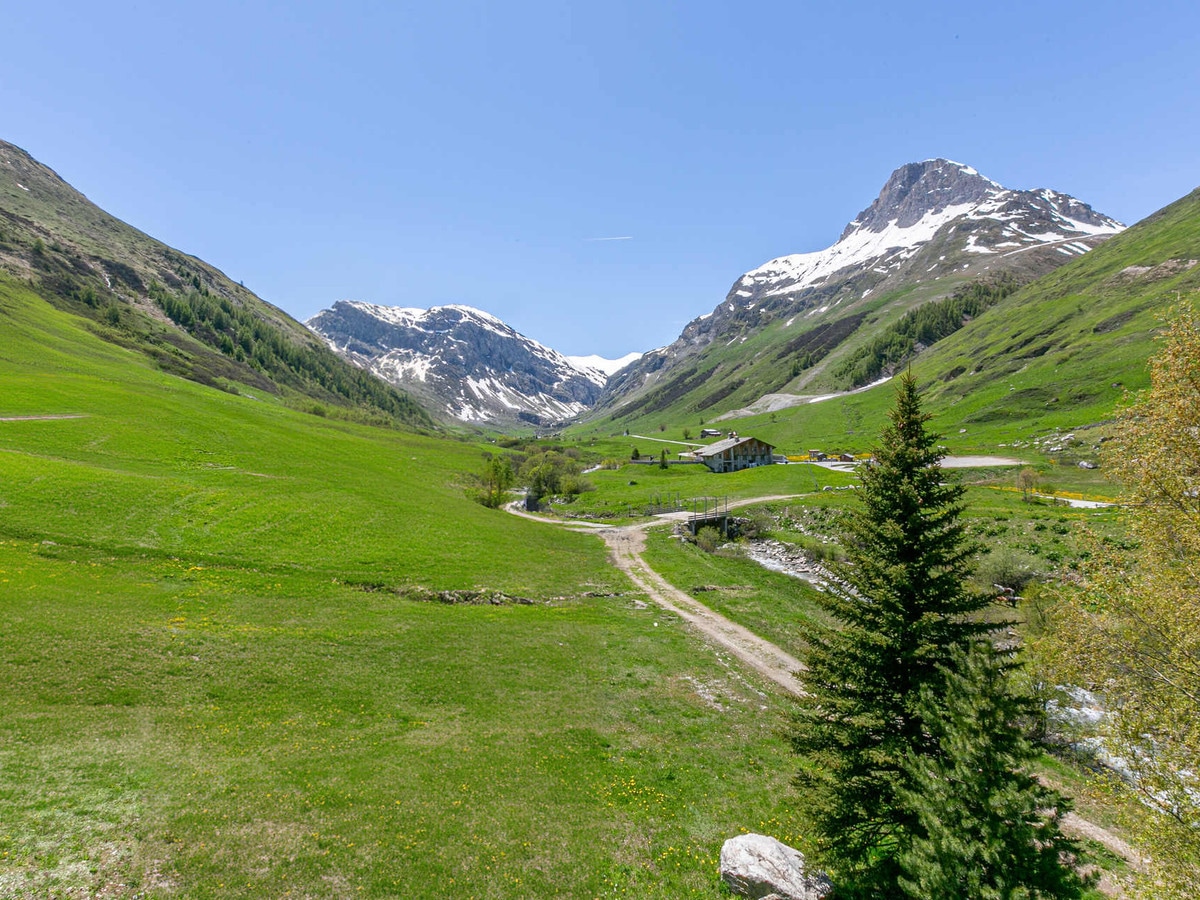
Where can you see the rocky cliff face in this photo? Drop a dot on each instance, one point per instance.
(933, 219)
(464, 363)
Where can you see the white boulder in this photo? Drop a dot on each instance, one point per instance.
(757, 866)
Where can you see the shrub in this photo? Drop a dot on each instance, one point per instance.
(574, 485)
(708, 539)
(1009, 568)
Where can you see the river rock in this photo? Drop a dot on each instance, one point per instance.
(758, 866)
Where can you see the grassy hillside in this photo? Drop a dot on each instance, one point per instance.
(1056, 355)
(179, 311)
(1076, 338)
(214, 688)
(796, 354)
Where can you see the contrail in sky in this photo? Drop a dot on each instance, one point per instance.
(623, 237)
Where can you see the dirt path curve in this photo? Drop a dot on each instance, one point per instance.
(626, 546)
(1076, 826)
(626, 543)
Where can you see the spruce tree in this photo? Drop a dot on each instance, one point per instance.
(901, 606)
(985, 829)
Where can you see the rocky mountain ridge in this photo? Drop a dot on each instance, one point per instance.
(464, 363)
(933, 221)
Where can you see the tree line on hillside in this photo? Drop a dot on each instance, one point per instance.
(246, 337)
(923, 326)
(809, 348)
(663, 396)
(92, 287)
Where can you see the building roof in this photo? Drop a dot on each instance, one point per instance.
(727, 444)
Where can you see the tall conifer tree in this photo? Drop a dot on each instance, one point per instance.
(987, 830)
(902, 606)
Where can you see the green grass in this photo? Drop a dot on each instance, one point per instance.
(1041, 536)
(160, 467)
(213, 688)
(230, 734)
(775, 606)
(627, 491)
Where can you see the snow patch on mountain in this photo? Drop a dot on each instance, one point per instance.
(600, 364)
(903, 220)
(894, 242)
(464, 362)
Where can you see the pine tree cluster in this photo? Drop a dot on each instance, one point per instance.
(924, 325)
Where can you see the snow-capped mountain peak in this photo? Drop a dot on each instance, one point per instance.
(934, 220)
(464, 362)
(434, 317)
(600, 364)
(916, 203)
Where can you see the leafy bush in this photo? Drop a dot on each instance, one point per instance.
(708, 539)
(494, 482)
(1009, 568)
(552, 472)
(574, 485)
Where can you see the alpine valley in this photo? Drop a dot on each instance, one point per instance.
(267, 631)
(795, 325)
(940, 271)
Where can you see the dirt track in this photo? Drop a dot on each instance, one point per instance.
(41, 418)
(626, 543)
(626, 546)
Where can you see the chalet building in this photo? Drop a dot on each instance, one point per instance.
(736, 453)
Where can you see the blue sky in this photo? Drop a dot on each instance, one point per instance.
(418, 154)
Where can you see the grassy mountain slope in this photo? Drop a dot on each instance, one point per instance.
(1078, 337)
(801, 353)
(176, 309)
(212, 688)
(800, 324)
(1056, 354)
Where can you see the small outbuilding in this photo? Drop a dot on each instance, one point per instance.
(736, 453)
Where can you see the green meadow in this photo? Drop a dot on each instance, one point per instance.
(220, 681)
(227, 671)
(1033, 539)
(630, 489)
